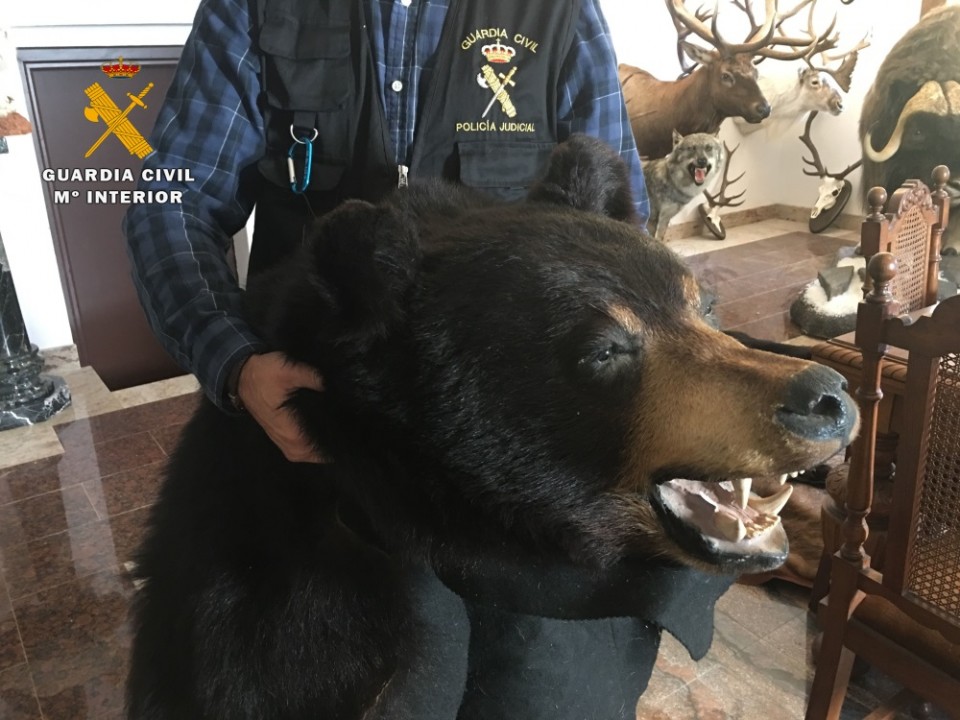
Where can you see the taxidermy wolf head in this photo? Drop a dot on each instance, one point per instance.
(676, 179)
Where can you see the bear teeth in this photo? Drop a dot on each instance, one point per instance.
(771, 505)
(731, 527)
(736, 513)
(734, 529)
(741, 491)
(735, 526)
(790, 476)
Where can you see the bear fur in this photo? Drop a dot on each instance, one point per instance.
(510, 392)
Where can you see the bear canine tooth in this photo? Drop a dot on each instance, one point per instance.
(741, 490)
(771, 505)
(730, 527)
(783, 478)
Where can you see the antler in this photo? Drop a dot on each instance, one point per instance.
(843, 74)
(864, 43)
(821, 170)
(721, 199)
(757, 39)
(800, 46)
(797, 8)
(687, 65)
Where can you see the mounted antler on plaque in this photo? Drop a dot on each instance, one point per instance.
(711, 218)
(834, 191)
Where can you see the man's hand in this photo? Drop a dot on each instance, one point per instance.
(265, 383)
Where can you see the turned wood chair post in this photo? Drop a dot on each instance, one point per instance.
(835, 661)
(877, 306)
(873, 231)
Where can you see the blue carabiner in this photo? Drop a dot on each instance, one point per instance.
(307, 145)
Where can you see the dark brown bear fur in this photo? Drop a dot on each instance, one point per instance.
(506, 386)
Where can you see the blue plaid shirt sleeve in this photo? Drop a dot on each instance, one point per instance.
(590, 100)
(210, 125)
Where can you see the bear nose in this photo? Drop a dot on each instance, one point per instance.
(762, 109)
(816, 405)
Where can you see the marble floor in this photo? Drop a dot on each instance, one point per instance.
(74, 493)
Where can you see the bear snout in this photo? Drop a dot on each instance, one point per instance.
(816, 405)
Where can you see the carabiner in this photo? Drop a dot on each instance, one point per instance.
(307, 144)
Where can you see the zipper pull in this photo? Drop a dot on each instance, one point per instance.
(402, 171)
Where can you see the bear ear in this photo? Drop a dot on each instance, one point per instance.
(346, 286)
(584, 173)
(366, 257)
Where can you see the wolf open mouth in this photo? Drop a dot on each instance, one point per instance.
(699, 174)
(724, 523)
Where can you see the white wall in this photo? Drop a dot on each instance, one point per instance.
(643, 35)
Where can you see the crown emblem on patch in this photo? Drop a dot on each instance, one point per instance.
(498, 52)
(120, 69)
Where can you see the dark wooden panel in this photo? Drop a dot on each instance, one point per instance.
(108, 324)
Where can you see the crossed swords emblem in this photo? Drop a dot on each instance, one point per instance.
(103, 107)
(499, 87)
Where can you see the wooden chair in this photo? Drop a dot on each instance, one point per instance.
(911, 229)
(910, 226)
(904, 620)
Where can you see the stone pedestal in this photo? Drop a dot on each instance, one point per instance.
(26, 396)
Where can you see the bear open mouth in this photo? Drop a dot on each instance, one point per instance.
(724, 523)
(699, 174)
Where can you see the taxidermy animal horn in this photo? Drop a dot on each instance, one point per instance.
(929, 98)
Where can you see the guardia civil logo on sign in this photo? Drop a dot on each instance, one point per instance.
(116, 121)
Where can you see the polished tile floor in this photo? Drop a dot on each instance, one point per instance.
(74, 495)
(756, 282)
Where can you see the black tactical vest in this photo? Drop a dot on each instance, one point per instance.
(488, 118)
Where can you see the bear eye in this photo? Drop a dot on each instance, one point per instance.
(601, 349)
(604, 356)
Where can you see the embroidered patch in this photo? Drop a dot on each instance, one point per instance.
(499, 67)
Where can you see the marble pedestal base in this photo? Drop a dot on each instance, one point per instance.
(26, 396)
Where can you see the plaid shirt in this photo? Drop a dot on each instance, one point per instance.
(210, 123)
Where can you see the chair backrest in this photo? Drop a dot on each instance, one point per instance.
(921, 571)
(910, 227)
